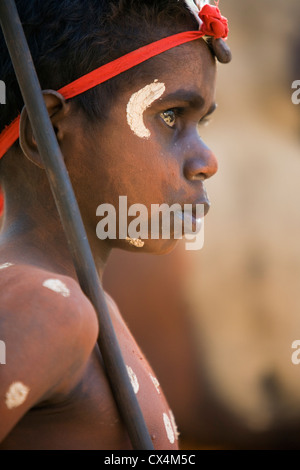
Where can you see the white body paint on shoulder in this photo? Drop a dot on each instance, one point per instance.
(155, 383)
(5, 265)
(169, 428)
(177, 434)
(16, 395)
(133, 379)
(57, 286)
(138, 104)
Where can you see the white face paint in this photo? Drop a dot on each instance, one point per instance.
(133, 379)
(138, 104)
(169, 429)
(5, 265)
(16, 395)
(57, 286)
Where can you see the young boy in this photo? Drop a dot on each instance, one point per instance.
(136, 135)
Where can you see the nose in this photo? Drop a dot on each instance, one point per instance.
(201, 165)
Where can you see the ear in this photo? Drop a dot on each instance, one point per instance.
(58, 109)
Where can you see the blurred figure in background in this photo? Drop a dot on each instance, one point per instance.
(234, 306)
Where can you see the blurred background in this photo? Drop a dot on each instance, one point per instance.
(218, 325)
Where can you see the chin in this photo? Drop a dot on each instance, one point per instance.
(159, 247)
(152, 247)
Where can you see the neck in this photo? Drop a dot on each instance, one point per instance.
(32, 232)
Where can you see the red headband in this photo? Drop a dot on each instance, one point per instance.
(213, 24)
(11, 133)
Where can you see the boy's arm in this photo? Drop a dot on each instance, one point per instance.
(49, 333)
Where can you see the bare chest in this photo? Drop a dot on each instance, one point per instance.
(87, 418)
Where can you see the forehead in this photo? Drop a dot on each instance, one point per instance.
(187, 68)
(185, 74)
(194, 57)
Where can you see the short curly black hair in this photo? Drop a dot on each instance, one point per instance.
(69, 38)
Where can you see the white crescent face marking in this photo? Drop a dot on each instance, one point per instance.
(57, 286)
(16, 395)
(169, 429)
(137, 105)
(5, 265)
(133, 379)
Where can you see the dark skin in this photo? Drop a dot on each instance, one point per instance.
(51, 339)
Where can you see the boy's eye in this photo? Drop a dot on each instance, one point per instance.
(169, 117)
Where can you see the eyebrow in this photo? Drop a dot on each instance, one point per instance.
(191, 98)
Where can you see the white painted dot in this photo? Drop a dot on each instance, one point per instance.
(169, 429)
(175, 428)
(133, 379)
(57, 286)
(156, 383)
(137, 242)
(16, 395)
(5, 265)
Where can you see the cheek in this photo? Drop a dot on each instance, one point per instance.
(124, 165)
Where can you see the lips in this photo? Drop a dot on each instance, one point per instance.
(190, 218)
(206, 204)
(187, 223)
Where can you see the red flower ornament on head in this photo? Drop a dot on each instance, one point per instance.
(214, 24)
(211, 22)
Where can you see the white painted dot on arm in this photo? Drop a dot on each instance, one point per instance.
(155, 383)
(175, 428)
(5, 265)
(137, 105)
(57, 286)
(169, 429)
(133, 379)
(16, 395)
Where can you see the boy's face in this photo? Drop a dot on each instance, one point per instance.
(150, 148)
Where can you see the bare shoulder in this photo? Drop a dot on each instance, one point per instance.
(49, 329)
(37, 298)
